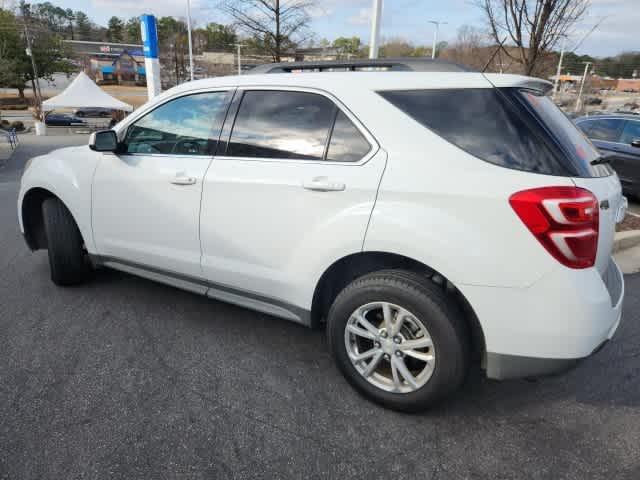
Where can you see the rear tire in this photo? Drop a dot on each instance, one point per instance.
(429, 316)
(67, 258)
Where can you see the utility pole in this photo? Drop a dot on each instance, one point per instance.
(376, 13)
(584, 77)
(435, 37)
(239, 46)
(189, 36)
(37, 93)
(556, 82)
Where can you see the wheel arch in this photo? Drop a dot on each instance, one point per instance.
(346, 269)
(32, 216)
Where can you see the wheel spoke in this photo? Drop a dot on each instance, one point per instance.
(423, 342)
(366, 324)
(372, 364)
(397, 383)
(360, 332)
(425, 357)
(387, 314)
(406, 374)
(356, 357)
(399, 320)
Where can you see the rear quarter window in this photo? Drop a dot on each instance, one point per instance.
(506, 127)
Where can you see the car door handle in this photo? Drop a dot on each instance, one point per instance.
(323, 184)
(183, 180)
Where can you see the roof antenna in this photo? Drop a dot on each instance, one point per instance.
(493, 55)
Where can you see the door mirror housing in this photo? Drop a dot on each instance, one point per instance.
(103, 141)
(635, 142)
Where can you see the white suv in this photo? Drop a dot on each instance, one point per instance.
(431, 220)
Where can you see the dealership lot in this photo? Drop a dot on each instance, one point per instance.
(125, 378)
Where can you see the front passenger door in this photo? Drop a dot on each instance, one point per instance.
(146, 200)
(628, 163)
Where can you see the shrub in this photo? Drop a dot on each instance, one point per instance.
(19, 126)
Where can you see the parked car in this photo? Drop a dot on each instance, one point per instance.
(618, 136)
(93, 112)
(428, 220)
(62, 120)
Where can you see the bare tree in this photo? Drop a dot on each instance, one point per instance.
(533, 26)
(469, 48)
(278, 24)
(469, 38)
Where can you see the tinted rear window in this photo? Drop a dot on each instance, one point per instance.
(507, 127)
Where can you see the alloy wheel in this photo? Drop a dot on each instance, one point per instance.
(390, 347)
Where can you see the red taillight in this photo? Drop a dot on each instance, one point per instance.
(564, 220)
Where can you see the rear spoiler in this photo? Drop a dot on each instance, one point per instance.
(519, 81)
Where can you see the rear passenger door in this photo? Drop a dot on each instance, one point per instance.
(291, 189)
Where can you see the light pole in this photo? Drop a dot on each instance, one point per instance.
(435, 37)
(556, 82)
(189, 37)
(584, 78)
(375, 28)
(239, 46)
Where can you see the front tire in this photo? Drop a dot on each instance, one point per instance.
(399, 339)
(67, 258)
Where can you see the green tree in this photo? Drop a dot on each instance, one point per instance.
(13, 60)
(347, 46)
(132, 30)
(83, 26)
(396, 47)
(115, 29)
(70, 17)
(421, 51)
(54, 17)
(220, 36)
(16, 69)
(172, 35)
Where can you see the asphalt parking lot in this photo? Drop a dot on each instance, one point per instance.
(125, 378)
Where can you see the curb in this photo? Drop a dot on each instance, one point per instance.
(626, 240)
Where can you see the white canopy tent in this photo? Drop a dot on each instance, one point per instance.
(83, 92)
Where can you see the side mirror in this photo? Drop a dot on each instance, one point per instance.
(635, 142)
(103, 141)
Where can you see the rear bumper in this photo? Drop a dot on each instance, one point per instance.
(550, 326)
(504, 367)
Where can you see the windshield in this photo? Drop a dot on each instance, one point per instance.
(575, 145)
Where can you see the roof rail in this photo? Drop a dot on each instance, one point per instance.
(363, 65)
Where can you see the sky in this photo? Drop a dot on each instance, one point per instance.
(617, 20)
